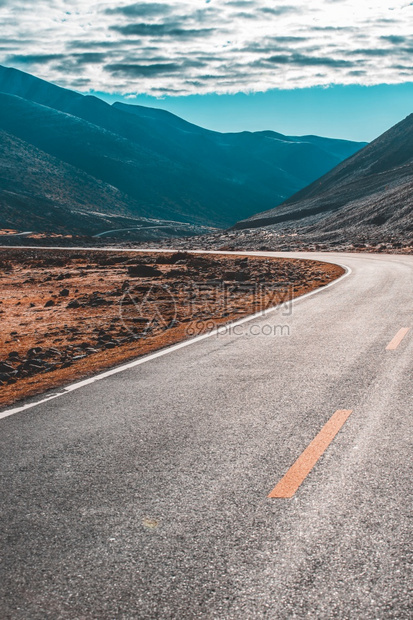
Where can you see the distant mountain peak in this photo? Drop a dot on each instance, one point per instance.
(163, 166)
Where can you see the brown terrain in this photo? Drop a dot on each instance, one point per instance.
(67, 314)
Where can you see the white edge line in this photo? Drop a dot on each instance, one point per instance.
(151, 356)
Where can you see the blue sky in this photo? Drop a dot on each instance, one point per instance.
(340, 68)
(354, 112)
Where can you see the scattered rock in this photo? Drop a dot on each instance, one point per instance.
(34, 351)
(174, 273)
(143, 271)
(52, 351)
(96, 301)
(84, 345)
(6, 367)
(237, 276)
(179, 257)
(36, 365)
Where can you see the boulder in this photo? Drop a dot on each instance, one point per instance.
(143, 271)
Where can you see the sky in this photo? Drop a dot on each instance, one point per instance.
(341, 68)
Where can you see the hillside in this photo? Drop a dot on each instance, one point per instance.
(371, 193)
(163, 167)
(41, 193)
(38, 192)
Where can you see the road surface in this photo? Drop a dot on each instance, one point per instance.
(145, 494)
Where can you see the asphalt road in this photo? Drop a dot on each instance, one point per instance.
(145, 494)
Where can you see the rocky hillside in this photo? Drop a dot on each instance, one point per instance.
(40, 192)
(370, 194)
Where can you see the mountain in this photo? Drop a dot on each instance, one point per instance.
(369, 193)
(162, 166)
(41, 193)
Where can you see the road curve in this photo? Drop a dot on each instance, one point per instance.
(145, 495)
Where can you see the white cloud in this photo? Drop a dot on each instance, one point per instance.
(198, 46)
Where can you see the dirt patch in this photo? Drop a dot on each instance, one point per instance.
(66, 315)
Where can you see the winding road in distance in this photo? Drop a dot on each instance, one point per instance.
(145, 494)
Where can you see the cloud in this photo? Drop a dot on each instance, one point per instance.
(161, 30)
(281, 10)
(93, 58)
(241, 4)
(302, 60)
(397, 39)
(143, 70)
(195, 46)
(372, 52)
(155, 69)
(34, 59)
(148, 9)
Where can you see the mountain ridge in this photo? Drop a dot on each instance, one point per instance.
(373, 188)
(163, 166)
